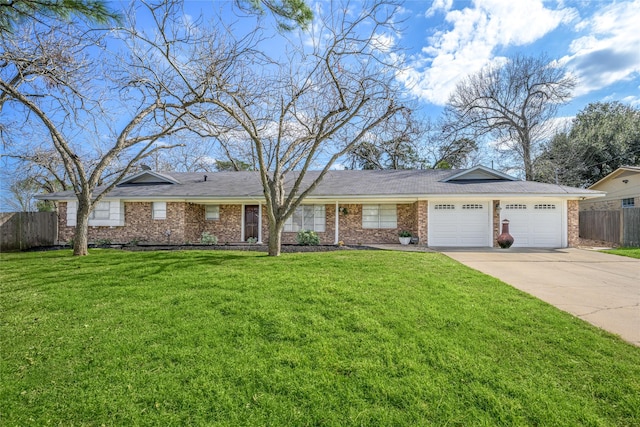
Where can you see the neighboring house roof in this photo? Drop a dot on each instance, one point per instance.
(343, 184)
(616, 173)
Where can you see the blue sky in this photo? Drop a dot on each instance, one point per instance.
(597, 41)
(444, 40)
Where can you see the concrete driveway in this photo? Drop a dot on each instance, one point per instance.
(600, 288)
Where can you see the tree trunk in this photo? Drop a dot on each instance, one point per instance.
(81, 237)
(275, 239)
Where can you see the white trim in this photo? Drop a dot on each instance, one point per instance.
(337, 219)
(614, 174)
(378, 208)
(162, 177)
(242, 219)
(564, 241)
(260, 223)
(492, 172)
(210, 207)
(116, 215)
(159, 211)
(72, 213)
(358, 198)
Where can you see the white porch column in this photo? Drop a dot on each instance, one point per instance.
(260, 223)
(242, 224)
(337, 231)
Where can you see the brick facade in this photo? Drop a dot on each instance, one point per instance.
(185, 223)
(497, 226)
(181, 225)
(573, 223)
(352, 233)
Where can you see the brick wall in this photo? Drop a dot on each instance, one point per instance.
(573, 223)
(497, 226)
(351, 231)
(64, 233)
(421, 221)
(184, 223)
(228, 228)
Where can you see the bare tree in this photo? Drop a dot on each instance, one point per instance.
(513, 103)
(303, 109)
(396, 145)
(408, 143)
(58, 78)
(29, 170)
(15, 11)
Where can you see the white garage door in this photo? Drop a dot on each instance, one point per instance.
(534, 225)
(455, 223)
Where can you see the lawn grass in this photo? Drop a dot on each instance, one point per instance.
(630, 252)
(339, 338)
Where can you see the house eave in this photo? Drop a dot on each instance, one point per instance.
(613, 175)
(356, 198)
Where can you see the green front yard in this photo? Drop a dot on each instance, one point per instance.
(337, 338)
(630, 252)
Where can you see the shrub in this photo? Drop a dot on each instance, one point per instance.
(307, 238)
(208, 239)
(252, 240)
(134, 241)
(404, 233)
(103, 242)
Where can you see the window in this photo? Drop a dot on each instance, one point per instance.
(379, 216)
(444, 207)
(544, 206)
(101, 211)
(516, 206)
(159, 210)
(212, 212)
(628, 203)
(308, 217)
(472, 206)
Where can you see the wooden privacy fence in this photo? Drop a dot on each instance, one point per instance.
(24, 230)
(621, 226)
(631, 223)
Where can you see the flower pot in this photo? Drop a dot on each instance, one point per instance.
(405, 240)
(505, 240)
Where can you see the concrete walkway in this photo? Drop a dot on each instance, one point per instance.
(600, 288)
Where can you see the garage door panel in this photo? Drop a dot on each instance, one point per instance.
(458, 223)
(534, 224)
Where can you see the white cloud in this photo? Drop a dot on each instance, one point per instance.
(383, 42)
(611, 51)
(634, 101)
(439, 6)
(474, 34)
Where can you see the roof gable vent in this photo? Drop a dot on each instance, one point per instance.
(148, 177)
(479, 173)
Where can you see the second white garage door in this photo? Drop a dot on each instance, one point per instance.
(461, 224)
(534, 224)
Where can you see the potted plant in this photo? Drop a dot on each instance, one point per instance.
(405, 237)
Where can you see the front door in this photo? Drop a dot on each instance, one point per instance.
(251, 219)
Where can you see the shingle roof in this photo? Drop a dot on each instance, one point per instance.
(339, 184)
